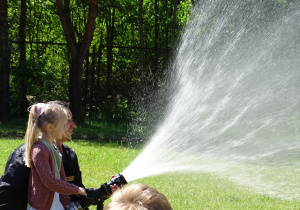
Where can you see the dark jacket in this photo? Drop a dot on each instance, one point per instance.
(73, 174)
(14, 182)
(72, 169)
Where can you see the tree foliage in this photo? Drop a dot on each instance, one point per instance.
(107, 63)
(55, 50)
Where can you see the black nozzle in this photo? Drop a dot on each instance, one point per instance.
(119, 180)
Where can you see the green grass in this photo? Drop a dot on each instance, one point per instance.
(98, 161)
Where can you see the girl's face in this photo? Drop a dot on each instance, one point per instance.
(59, 130)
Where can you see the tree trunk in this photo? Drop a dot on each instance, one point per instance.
(141, 61)
(75, 89)
(4, 63)
(99, 95)
(173, 36)
(22, 59)
(87, 79)
(78, 52)
(92, 84)
(167, 29)
(110, 40)
(156, 30)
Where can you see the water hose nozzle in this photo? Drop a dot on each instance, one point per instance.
(119, 180)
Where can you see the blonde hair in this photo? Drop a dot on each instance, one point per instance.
(138, 197)
(51, 113)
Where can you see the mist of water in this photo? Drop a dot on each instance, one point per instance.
(235, 99)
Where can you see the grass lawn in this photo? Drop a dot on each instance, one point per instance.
(98, 161)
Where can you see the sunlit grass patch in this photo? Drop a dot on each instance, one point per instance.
(193, 191)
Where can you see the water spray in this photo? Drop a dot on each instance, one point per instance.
(232, 99)
(98, 195)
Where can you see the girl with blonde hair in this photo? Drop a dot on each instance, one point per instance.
(48, 188)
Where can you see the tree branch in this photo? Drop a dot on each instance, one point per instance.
(89, 28)
(65, 19)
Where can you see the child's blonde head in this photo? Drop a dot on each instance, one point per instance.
(40, 115)
(138, 197)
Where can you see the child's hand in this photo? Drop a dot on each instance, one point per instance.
(81, 191)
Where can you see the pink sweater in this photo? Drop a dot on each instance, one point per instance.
(42, 181)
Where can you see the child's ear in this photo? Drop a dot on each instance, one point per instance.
(49, 127)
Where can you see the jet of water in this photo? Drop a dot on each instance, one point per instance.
(234, 108)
